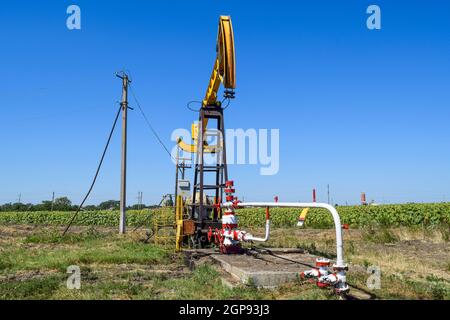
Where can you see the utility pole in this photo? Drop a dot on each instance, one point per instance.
(140, 200)
(53, 200)
(328, 193)
(20, 198)
(123, 183)
(177, 167)
(183, 170)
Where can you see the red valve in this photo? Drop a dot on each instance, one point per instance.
(345, 226)
(322, 284)
(219, 235)
(267, 213)
(229, 225)
(229, 183)
(210, 233)
(322, 264)
(216, 239)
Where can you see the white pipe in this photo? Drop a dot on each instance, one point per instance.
(250, 237)
(331, 209)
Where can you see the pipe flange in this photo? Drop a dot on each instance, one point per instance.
(343, 267)
(322, 262)
(229, 183)
(344, 289)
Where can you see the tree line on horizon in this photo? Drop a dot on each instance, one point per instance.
(65, 204)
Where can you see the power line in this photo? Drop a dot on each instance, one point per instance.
(96, 173)
(149, 124)
(188, 105)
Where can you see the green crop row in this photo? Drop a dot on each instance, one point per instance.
(88, 218)
(432, 214)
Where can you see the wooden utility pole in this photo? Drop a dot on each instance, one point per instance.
(328, 193)
(53, 199)
(123, 183)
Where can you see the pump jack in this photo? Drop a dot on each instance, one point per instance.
(204, 216)
(205, 224)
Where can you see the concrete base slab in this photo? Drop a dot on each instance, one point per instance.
(263, 268)
(268, 268)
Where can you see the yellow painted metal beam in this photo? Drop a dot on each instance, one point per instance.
(192, 148)
(179, 223)
(302, 217)
(224, 70)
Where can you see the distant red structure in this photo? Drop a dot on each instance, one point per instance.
(363, 199)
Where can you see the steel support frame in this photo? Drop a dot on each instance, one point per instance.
(199, 210)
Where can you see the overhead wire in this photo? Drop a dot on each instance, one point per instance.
(96, 173)
(106, 148)
(149, 124)
(188, 105)
(228, 99)
(109, 140)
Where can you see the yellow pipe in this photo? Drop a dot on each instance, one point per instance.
(179, 223)
(192, 148)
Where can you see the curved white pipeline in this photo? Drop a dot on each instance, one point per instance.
(331, 209)
(250, 237)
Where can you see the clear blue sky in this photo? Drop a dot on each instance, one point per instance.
(357, 109)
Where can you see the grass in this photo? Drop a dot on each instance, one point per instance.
(411, 259)
(33, 266)
(32, 289)
(379, 235)
(400, 287)
(39, 252)
(52, 236)
(203, 283)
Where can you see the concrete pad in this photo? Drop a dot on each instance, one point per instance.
(264, 268)
(267, 268)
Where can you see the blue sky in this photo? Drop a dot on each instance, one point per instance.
(360, 110)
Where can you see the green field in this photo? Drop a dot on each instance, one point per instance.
(410, 243)
(34, 259)
(410, 215)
